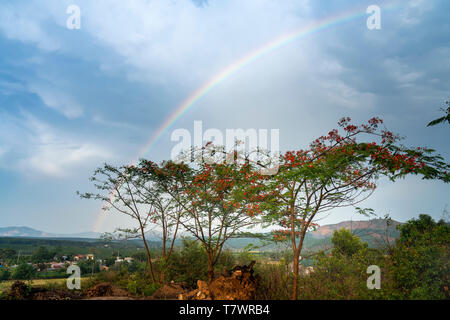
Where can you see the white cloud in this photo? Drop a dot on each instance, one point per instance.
(57, 159)
(414, 12)
(99, 119)
(39, 148)
(402, 73)
(57, 100)
(24, 23)
(176, 39)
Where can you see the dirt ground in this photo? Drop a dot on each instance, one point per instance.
(102, 291)
(235, 284)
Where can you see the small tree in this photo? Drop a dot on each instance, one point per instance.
(336, 171)
(134, 191)
(189, 263)
(7, 254)
(166, 212)
(344, 242)
(342, 274)
(24, 271)
(5, 274)
(42, 254)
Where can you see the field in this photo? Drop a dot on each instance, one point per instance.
(5, 285)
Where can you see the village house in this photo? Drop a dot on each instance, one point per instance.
(90, 256)
(129, 259)
(78, 257)
(302, 270)
(57, 265)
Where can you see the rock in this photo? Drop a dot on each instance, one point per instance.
(236, 284)
(170, 291)
(202, 285)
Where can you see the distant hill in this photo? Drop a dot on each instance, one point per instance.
(33, 233)
(371, 231)
(376, 226)
(374, 232)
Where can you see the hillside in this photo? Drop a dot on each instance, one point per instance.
(377, 226)
(33, 233)
(374, 232)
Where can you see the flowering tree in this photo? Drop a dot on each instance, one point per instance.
(135, 191)
(218, 201)
(338, 170)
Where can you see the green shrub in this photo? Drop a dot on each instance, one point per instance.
(342, 274)
(141, 285)
(274, 281)
(188, 264)
(420, 260)
(24, 271)
(5, 274)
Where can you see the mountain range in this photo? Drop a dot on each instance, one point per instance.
(376, 226)
(33, 233)
(367, 230)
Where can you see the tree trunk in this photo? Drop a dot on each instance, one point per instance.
(163, 264)
(210, 269)
(295, 265)
(149, 259)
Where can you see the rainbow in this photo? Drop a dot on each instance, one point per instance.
(244, 61)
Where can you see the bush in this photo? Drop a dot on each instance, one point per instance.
(419, 260)
(88, 266)
(342, 274)
(274, 281)
(188, 264)
(24, 271)
(141, 285)
(226, 261)
(138, 283)
(42, 254)
(346, 243)
(5, 274)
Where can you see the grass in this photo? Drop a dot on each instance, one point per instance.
(5, 285)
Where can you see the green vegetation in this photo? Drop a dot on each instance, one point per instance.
(24, 271)
(420, 261)
(415, 266)
(68, 247)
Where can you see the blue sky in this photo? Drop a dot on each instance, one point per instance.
(71, 100)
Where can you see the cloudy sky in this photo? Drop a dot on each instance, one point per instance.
(72, 99)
